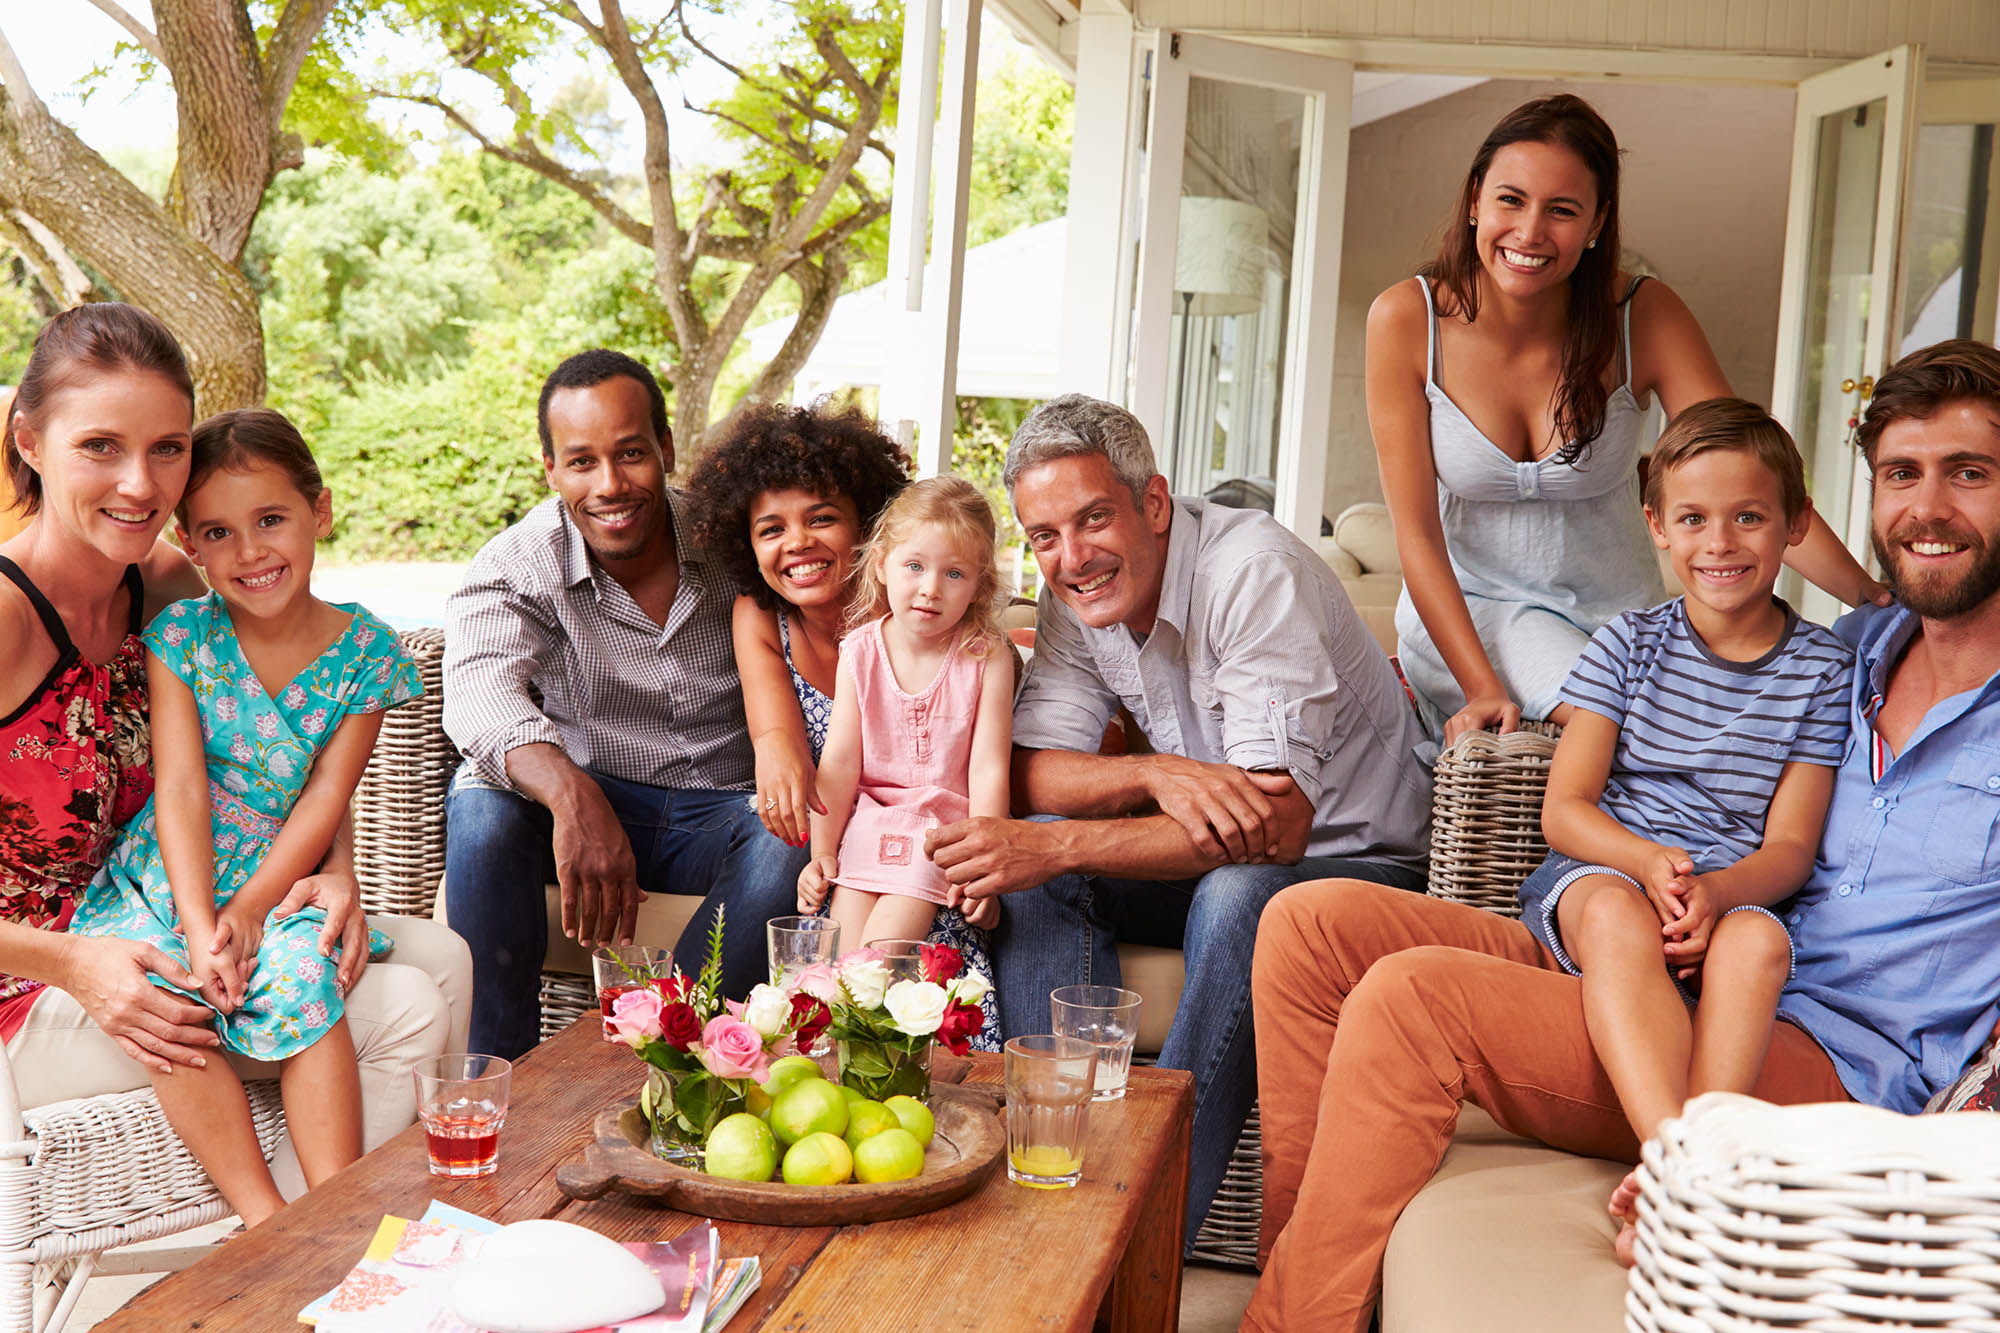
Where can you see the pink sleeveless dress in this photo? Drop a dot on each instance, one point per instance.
(916, 766)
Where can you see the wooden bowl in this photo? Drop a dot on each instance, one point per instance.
(963, 1155)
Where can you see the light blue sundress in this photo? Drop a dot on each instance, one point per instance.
(949, 926)
(260, 752)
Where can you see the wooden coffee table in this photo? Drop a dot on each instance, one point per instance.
(1106, 1252)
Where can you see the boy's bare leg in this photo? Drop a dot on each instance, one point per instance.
(1748, 960)
(208, 1109)
(1637, 1020)
(321, 1086)
(895, 917)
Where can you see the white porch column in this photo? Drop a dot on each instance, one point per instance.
(937, 414)
(1098, 262)
(910, 215)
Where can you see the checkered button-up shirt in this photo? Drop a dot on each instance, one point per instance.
(620, 694)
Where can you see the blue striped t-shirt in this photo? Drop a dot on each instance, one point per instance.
(1703, 740)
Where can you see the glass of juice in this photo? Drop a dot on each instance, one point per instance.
(1049, 1084)
(462, 1102)
(618, 968)
(1107, 1016)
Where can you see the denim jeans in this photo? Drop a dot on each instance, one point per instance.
(499, 858)
(1067, 932)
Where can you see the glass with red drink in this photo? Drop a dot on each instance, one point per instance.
(618, 968)
(462, 1102)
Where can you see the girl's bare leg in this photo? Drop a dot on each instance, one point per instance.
(321, 1086)
(208, 1109)
(849, 909)
(1747, 962)
(895, 917)
(1637, 1021)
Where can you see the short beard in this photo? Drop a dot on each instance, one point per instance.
(1935, 599)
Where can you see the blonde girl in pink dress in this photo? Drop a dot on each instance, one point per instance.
(922, 715)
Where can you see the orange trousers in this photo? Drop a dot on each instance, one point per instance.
(1378, 1011)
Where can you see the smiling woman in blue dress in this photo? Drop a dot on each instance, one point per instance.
(1507, 386)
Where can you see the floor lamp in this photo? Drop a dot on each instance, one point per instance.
(1219, 257)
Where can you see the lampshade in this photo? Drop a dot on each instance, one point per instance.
(1219, 258)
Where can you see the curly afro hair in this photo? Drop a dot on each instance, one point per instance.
(778, 448)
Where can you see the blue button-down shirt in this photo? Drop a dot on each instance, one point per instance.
(1898, 930)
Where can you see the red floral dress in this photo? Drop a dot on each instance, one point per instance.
(75, 763)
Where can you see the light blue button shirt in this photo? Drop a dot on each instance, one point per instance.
(1256, 659)
(1898, 929)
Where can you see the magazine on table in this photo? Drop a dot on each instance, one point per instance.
(404, 1281)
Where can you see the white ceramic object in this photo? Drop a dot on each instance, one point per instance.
(553, 1277)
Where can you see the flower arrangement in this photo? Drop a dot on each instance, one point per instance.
(707, 1053)
(884, 1025)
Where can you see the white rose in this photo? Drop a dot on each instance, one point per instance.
(971, 988)
(767, 1010)
(864, 980)
(916, 1007)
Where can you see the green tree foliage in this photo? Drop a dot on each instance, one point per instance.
(1020, 147)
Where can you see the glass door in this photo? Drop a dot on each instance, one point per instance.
(1245, 186)
(1851, 149)
(1951, 224)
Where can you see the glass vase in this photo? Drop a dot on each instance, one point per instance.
(680, 1123)
(881, 1070)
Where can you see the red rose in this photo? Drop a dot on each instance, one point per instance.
(961, 1023)
(680, 1026)
(811, 1017)
(941, 962)
(675, 987)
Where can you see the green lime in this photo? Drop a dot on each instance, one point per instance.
(853, 1095)
(915, 1117)
(742, 1147)
(812, 1107)
(818, 1159)
(866, 1119)
(894, 1154)
(757, 1102)
(789, 1070)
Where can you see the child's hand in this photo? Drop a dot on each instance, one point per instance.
(242, 935)
(1662, 869)
(1687, 935)
(214, 970)
(981, 912)
(815, 881)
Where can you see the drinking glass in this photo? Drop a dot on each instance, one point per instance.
(1049, 1082)
(903, 958)
(462, 1102)
(798, 942)
(618, 968)
(1108, 1018)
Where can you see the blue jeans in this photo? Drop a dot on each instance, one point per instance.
(499, 858)
(1067, 931)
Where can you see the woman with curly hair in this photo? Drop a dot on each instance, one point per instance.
(780, 505)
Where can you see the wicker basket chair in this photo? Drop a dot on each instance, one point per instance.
(1834, 1217)
(1486, 815)
(81, 1177)
(399, 804)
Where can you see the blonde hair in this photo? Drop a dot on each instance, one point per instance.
(955, 505)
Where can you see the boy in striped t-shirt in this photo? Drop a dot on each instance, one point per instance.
(1689, 789)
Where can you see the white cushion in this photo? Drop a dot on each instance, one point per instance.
(1365, 532)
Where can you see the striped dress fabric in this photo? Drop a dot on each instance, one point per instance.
(1702, 740)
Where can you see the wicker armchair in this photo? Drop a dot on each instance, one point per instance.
(1486, 816)
(78, 1178)
(1753, 1216)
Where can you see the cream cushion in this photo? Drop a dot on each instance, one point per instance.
(1365, 532)
(1509, 1237)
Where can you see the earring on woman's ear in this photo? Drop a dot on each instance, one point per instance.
(1472, 222)
(1592, 245)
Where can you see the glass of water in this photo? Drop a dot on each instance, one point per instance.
(1048, 1103)
(798, 942)
(1108, 1018)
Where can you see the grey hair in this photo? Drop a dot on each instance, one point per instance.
(1077, 424)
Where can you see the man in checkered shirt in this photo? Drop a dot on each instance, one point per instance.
(591, 683)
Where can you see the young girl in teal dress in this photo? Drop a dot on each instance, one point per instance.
(265, 706)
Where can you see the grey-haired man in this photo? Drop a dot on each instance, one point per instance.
(1284, 750)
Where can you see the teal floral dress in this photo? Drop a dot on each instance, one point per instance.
(260, 752)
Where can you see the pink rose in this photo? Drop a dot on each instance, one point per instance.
(817, 981)
(635, 1016)
(731, 1048)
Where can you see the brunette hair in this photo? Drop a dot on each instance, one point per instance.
(820, 450)
(1567, 121)
(1956, 370)
(248, 435)
(103, 336)
(956, 505)
(1729, 423)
